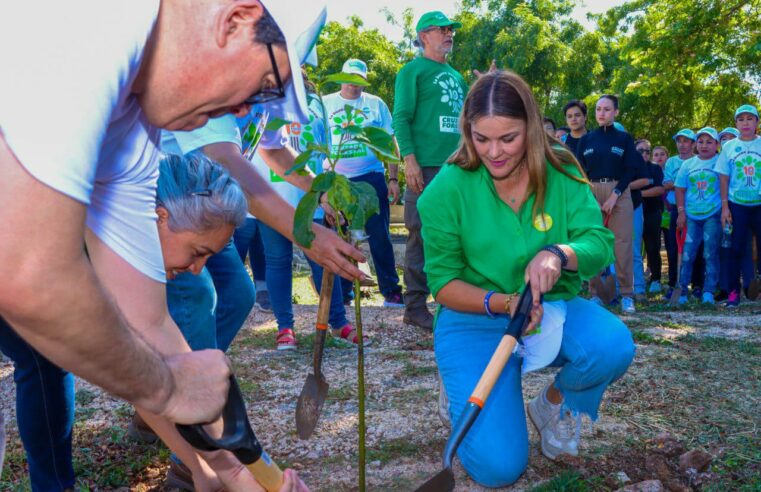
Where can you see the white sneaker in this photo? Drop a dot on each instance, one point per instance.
(560, 433)
(596, 300)
(443, 404)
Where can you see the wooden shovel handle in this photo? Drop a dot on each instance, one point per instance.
(326, 292)
(267, 473)
(493, 370)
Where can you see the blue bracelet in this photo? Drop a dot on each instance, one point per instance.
(486, 304)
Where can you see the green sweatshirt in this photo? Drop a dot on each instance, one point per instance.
(470, 234)
(427, 103)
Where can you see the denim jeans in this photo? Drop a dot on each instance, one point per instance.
(698, 267)
(744, 220)
(211, 307)
(639, 270)
(707, 231)
(747, 269)
(379, 240)
(248, 241)
(596, 350)
(44, 412)
(651, 233)
(279, 253)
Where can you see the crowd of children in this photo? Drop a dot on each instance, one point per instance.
(705, 202)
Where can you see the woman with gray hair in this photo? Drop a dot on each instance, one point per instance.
(199, 205)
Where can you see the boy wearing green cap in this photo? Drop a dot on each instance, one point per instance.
(739, 165)
(428, 98)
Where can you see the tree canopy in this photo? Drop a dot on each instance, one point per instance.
(673, 63)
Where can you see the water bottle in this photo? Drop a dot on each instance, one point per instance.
(726, 238)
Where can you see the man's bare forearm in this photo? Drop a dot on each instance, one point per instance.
(80, 330)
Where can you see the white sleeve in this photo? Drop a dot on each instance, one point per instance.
(60, 87)
(216, 130)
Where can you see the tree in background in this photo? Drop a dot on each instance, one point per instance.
(674, 63)
(338, 43)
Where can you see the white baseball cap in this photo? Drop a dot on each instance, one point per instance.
(355, 66)
(301, 27)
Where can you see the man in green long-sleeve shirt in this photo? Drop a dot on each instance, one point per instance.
(428, 99)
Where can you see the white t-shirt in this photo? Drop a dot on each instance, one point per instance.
(67, 113)
(369, 110)
(741, 161)
(671, 169)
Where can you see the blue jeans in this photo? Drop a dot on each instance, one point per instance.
(379, 240)
(248, 241)
(707, 231)
(746, 266)
(279, 253)
(639, 270)
(597, 349)
(698, 268)
(211, 307)
(744, 220)
(44, 412)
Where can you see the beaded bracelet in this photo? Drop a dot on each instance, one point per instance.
(486, 304)
(557, 252)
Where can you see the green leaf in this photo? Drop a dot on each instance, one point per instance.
(349, 110)
(300, 162)
(276, 124)
(302, 221)
(365, 204)
(347, 78)
(324, 182)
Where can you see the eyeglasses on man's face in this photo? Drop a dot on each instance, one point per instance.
(270, 93)
(442, 29)
(643, 150)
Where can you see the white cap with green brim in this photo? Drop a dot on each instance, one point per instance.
(746, 108)
(711, 132)
(301, 27)
(729, 131)
(355, 66)
(686, 133)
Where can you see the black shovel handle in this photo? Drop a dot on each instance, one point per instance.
(237, 437)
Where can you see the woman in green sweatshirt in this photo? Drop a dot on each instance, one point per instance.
(508, 209)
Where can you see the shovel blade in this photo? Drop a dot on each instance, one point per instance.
(309, 405)
(442, 482)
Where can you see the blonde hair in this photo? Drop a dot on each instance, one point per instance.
(505, 93)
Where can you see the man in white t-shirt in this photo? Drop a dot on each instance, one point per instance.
(359, 163)
(113, 73)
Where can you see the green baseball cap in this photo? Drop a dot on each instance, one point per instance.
(435, 19)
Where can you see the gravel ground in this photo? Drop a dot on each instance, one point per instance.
(405, 436)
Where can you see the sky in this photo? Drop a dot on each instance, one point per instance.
(369, 11)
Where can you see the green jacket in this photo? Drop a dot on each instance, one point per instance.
(470, 234)
(427, 104)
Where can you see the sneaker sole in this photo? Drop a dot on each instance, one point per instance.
(286, 347)
(259, 307)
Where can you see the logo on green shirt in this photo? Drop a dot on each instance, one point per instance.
(451, 92)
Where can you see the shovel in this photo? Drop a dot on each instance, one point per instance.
(238, 438)
(681, 236)
(315, 388)
(444, 480)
